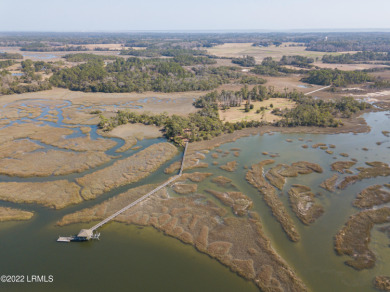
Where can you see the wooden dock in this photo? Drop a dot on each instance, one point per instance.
(108, 219)
(144, 197)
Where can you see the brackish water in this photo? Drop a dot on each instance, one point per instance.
(142, 259)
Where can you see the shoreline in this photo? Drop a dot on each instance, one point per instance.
(356, 124)
(236, 242)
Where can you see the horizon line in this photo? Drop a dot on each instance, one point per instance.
(296, 30)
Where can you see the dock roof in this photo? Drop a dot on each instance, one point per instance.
(85, 233)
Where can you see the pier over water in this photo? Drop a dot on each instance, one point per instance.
(87, 234)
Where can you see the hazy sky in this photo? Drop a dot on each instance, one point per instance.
(126, 15)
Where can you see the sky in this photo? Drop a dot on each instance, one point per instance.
(182, 15)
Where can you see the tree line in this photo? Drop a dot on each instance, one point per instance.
(206, 124)
(270, 67)
(85, 57)
(40, 47)
(13, 56)
(6, 63)
(336, 77)
(30, 81)
(298, 61)
(228, 98)
(246, 61)
(316, 112)
(134, 74)
(357, 57)
(360, 44)
(154, 52)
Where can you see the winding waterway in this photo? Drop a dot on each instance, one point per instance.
(143, 259)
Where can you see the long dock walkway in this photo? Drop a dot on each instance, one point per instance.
(108, 219)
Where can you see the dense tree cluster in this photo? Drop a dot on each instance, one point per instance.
(202, 125)
(7, 63)
(252, 80)
(13, 84)
(336, 77)
(270, 67)
(246, 61)
(308, 111)
(190, 60)
(228, 98)
(85, 57)
(369, 43)
(164, 51)
(268, 43)
(312, 112)
(134, 74)
(225, 72)
(357, 57)
(13, 56)
(381, 84)
(40, 47)
(30, 81)
(298, 61)
(29, 67)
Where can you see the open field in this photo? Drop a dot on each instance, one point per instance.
(290, 82)
(234, 50)
(349, 67)
(107, 47)
(53, 56)
(236, 114)
(139, 131)
(384, 75)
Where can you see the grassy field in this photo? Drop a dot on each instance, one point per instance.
(237, 114)
(349, 67)
(234, 50)
(106, 47)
